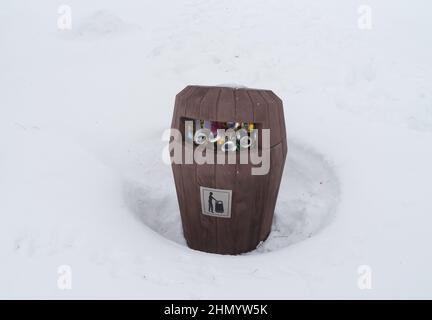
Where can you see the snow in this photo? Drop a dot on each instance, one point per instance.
(82, 113)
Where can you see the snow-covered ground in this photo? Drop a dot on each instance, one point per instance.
(83, 185)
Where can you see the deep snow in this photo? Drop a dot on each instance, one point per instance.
(82, 112)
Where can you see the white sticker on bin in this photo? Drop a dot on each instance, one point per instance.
(216, 202)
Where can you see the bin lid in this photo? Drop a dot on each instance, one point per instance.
(228, 104)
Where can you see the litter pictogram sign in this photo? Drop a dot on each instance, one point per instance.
(216, 202)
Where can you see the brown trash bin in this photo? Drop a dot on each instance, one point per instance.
(224, 208)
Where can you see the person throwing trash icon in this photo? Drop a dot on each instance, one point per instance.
(210, 202)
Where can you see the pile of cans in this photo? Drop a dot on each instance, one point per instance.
(225, 136)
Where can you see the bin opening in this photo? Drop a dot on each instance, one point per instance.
(223, 136)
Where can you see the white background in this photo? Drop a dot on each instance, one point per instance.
(82, 112)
